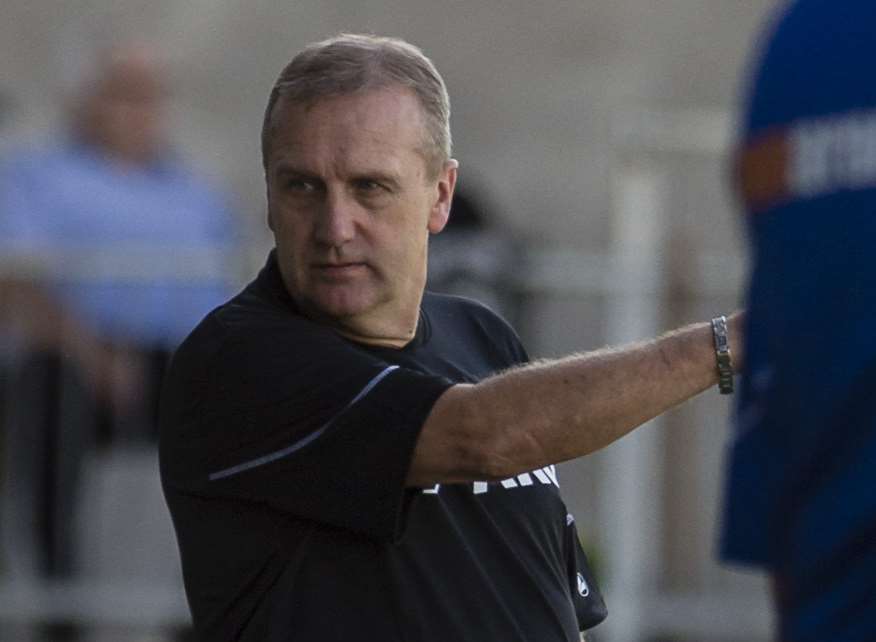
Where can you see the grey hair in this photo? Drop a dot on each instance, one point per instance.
(351, 63)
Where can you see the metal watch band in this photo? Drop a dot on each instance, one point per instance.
(722, 355)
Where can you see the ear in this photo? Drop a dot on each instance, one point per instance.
(444, 196)
(270, 218)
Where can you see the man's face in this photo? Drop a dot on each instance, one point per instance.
(351, 205)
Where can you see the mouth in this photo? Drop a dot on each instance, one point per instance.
(337, 271)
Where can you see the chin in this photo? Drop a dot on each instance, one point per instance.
(339, 305)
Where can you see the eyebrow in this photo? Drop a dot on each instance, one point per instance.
(285, 169)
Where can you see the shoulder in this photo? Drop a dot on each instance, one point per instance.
(252, 327)
(30, 181)
(463, 317)
(173, 170)
(26, 161)
(463, 307)
(454, 305)
(248, 348)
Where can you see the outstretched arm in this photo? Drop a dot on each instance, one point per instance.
(552, 411)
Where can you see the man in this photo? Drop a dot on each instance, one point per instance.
(801, 502)
(340, 459)
(93, 229)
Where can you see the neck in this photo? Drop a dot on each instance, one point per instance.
(380, 341)
(390, 328)
(394, 330)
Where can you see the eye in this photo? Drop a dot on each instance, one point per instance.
(369, 185)
(299, 185)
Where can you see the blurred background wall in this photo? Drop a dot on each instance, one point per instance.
(595, 135)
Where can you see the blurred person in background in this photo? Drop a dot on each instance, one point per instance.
(112, 250)
(801, 486)
(475, 257)
(348, 457)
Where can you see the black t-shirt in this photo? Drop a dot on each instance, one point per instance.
(284, 452)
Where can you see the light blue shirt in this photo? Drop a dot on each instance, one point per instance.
(139, 254)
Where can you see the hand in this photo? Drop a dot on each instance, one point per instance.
(115, 375)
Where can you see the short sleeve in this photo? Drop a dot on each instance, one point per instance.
(299, 419)
(21, 215)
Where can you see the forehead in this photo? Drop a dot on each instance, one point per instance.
(133, 74)
(377, 123)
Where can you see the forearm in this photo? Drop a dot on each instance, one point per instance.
(44, 324)
(552, 411)
(112, 372)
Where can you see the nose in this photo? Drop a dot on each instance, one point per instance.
(336, 224)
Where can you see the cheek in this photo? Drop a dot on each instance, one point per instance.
(288, 226)
(407, 251)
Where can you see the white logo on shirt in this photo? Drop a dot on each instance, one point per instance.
(546, 476)
(583, 589)
(834, 153)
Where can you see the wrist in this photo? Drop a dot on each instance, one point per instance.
(723, 355)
